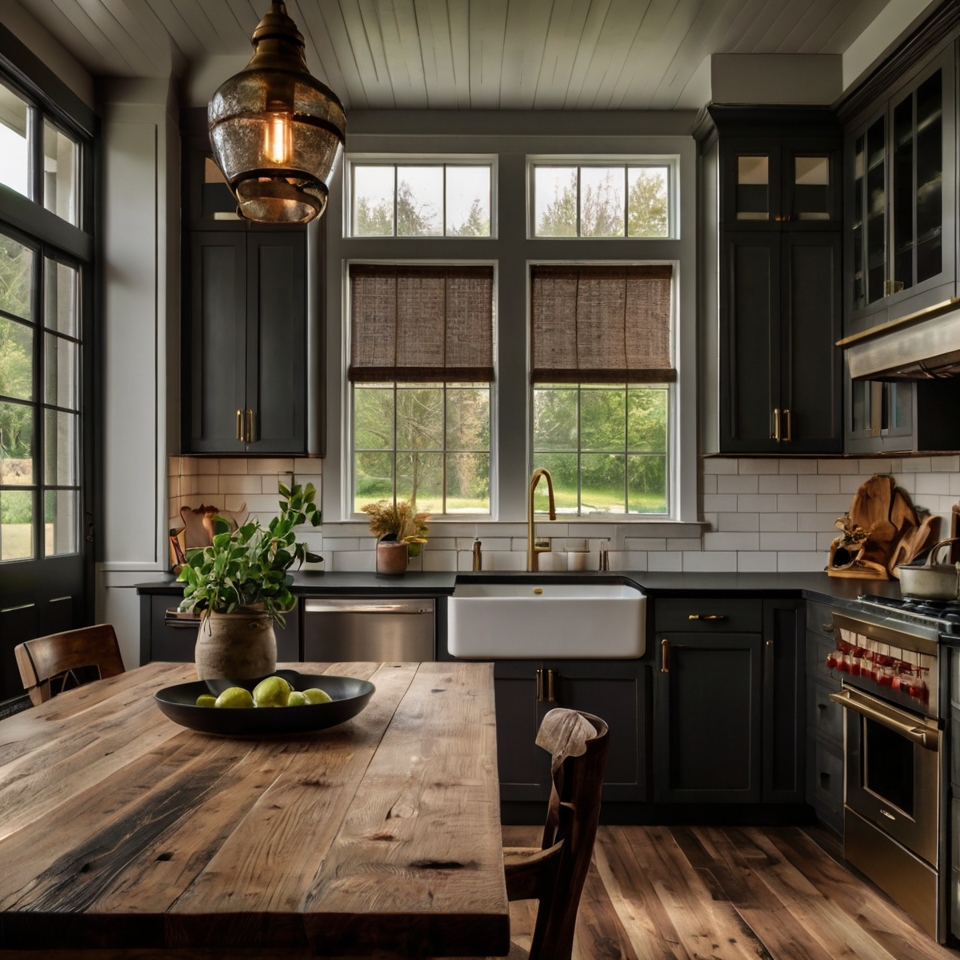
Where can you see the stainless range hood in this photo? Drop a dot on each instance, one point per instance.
(920, 346)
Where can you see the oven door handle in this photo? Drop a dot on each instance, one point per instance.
(922, 736)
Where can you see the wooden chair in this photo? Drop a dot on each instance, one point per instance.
(555, 872)
(51, 664)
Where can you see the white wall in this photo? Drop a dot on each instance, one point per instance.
(140, 242)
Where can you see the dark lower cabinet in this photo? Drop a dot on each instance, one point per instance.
(728, 703)
(708, 718)
(614, 690)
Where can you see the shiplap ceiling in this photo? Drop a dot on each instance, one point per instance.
(465, 54)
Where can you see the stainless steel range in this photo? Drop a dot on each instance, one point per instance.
(895, 764)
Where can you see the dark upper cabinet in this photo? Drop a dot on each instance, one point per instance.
(245, 343)
(900, 188)
(771, 222)
(780, 371)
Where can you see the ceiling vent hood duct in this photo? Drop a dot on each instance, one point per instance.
(920, 346)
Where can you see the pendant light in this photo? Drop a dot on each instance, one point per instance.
(277, 132)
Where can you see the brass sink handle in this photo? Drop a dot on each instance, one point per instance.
(707, 616)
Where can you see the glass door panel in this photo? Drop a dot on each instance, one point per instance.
(857, 226)
(811, 188)
(753, 188)
(876, 229)
(929, 178)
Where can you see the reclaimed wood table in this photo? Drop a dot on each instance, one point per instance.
(125, 835)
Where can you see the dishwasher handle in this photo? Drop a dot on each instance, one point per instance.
(410, 607)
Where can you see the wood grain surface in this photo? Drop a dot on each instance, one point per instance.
(124, 834)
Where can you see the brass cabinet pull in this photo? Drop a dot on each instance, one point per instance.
(664, 656)
(545, 686)
(789, 417)
(250, 437)
(776, 423)
(707, 616)
(769, 643)
(826, 627)
(240, 426)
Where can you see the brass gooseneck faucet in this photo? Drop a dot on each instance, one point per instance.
(533, 548)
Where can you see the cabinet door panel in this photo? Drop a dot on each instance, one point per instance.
(277, 330)
(524, 768)
(749, 376)
(707, 743)
(615, 692)
(216, 343)
(812, 364)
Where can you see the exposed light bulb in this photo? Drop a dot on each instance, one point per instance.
(277, 141)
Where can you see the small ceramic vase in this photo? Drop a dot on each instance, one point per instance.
(391, 558)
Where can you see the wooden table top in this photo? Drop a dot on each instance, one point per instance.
(128, 835)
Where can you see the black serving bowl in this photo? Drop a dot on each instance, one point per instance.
(348, 697)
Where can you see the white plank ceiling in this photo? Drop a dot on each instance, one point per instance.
(465, 54)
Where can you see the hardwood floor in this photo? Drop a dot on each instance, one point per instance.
(729, 893)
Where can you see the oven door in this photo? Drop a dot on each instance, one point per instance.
(892, 770)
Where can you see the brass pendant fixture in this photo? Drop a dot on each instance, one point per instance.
(277, 132)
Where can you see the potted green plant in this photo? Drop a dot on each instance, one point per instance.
(240, 586)
(400, 533)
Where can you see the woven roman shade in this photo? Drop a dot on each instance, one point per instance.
(601, 324)
(421, 323)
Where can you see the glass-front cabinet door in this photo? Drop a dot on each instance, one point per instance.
(879, 416)
(901, 168)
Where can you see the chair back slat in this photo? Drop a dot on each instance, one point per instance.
(42, 660)
(572, 818)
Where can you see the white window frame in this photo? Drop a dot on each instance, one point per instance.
(670, 161)
(674, 492)
(425, 160)
(348, 472)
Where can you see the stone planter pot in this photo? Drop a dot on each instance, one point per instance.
(391, 558)
(236, 646)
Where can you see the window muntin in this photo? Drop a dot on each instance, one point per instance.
(421, 365)
(603, 199)
(39, 403)
(14, 141)
(428, 443)
(420, 198)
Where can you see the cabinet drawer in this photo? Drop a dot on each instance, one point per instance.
(817, 649)
(824, 716)
(825, 776)
(694, 615)
(820, 619)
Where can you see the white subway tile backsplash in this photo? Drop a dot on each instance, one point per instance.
(798, 466)
(779, 483)
(239, 483)
(737, 484)
(761, 503)
(731, 541)
(437, 560)
(819, 483)
(232, 466)
(364, 561)
(736, 522)
(851, 484)
(629, 560)
(645, 543)
(684, 543)
(755, 563)
(774, 542)
(915, 465)
(796, 503)
(838, 466)
(828, 503)
(719, 465)
(709, 483)
(801, 562)
(719, 504)
(933, 483)
(270, 465)
(949, 464)
(714, 562)
(668, 562)
(749, 465)
(815, 522)
(777, 522)
(209, 467)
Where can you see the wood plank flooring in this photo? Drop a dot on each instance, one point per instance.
(729, 893)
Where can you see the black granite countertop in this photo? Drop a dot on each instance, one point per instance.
(813, 586)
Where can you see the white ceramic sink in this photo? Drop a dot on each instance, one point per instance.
(536, 618)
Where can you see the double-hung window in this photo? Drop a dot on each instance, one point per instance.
(421, 368)
(602, 376)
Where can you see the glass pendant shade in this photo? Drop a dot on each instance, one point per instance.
(277, 132)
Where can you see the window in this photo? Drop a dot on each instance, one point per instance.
(601, 348)
(602, 199)
(420, 199)
(58, 189)
(421, 365)
(39, 403)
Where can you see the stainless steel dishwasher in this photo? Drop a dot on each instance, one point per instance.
(368, 628)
